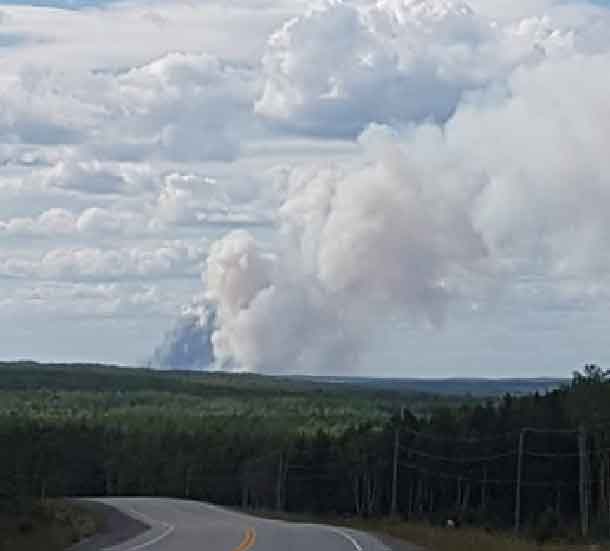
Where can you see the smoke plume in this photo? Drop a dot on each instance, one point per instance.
(187, 345)
(495, 170)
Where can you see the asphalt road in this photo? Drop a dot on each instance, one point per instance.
(179, 525)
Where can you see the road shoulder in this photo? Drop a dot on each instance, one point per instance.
(396, 544)
(117, 527)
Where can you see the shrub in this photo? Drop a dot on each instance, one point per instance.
(546, 526)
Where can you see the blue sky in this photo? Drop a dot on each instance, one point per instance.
(66, 4)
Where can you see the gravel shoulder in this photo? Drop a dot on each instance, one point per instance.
(396, 544)
(116, 527)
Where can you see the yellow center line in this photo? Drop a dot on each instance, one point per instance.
(248, 541)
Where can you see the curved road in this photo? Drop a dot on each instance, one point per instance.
(180, 525)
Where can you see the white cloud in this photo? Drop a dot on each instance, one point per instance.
(167, 260)
(141, 31)
(45, 107)
(83, 176)
(52, 222)
(85, 300)
(58, 222)
(344, 65)
(103, 221)
(177, 201)
(182, 107)
(543, 150)
(193, 199)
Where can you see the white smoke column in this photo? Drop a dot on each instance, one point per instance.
(268, 316)
(354, 247)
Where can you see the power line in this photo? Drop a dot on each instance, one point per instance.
(501, 436)
(461, 460)
(465, 440)
(495, 481)
(262, 458)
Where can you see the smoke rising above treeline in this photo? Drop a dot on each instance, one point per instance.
(187, 345)
(481, 160)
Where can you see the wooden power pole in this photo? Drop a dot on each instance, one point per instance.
(394, 504)
(583, 486)
(279, 501)
(484, 490)
(519, 479)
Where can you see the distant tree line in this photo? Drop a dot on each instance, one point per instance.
(538, 462)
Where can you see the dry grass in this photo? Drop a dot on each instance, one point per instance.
(53, 526)
(435, 538)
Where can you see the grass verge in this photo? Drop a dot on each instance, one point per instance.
(50, 526)
(430, 537)
(434, 538)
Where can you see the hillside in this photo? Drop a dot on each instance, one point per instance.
(85, 391)
(477, 387)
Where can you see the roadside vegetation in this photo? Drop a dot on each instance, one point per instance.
(469, 538)
(49, 525)
(431, 536)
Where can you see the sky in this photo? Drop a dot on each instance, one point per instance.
(412, 188)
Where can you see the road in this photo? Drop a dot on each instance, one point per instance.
(180, 525)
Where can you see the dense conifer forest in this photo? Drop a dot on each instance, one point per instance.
(538, 463)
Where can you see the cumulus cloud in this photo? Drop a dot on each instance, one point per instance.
(340, 66)
(82, 176)
(98, 220)
(181, 107)
(63, 300)
(170, 259)
(57, 222)
(346, 64)
(39, 108)
(193, 199)
(548, 179)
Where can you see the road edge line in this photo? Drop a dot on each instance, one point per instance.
(244, 514)
(169, 528)
(346, 536)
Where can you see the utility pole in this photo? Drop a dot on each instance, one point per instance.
(394, 505)
(278, 487)
(519, 477)
(583, 486)
(280, 484)
(484, 490)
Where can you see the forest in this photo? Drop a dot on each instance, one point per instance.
(538, 464)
